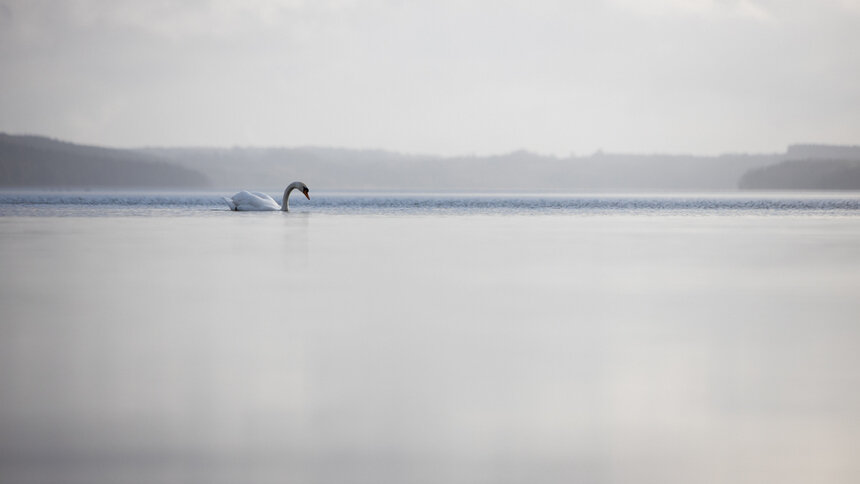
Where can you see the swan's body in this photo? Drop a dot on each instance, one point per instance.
(258, 202)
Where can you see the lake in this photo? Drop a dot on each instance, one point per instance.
(430, 338)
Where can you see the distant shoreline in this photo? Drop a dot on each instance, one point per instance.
(42, 163)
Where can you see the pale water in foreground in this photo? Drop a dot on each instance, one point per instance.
(423, 343)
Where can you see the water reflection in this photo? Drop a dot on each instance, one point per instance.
(322, 348)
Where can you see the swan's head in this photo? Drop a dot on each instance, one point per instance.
(305, 190)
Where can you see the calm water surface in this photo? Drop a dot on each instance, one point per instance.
(160, 338)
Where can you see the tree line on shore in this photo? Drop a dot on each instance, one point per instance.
(33, 161)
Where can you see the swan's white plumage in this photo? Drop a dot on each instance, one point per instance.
(246, 201)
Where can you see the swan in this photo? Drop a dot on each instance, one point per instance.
(256, 201)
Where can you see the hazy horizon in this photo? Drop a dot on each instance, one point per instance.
(383, 149)
(446, 78)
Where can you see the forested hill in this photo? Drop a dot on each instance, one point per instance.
(348, 169)
(35, 161)
(811, 174)
(809, 167)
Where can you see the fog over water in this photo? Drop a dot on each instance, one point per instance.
(636, 343)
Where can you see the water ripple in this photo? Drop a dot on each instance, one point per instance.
(19, 203)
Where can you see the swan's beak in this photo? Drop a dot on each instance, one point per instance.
(307, 193)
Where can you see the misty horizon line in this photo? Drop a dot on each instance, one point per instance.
(416, 154)
(34, 160)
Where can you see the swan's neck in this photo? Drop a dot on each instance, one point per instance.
(285, 203)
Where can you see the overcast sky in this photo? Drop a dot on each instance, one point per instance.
(435, 76)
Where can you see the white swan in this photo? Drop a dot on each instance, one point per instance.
(256, 201)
